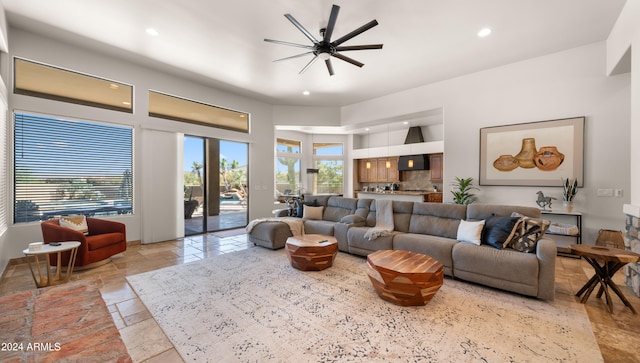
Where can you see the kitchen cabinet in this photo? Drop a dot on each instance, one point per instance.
(433, 197)
(378, 171)
(435, 166)
(367, 175)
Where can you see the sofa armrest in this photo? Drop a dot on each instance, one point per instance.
(353, 220)
(546, 251)
(56, 233)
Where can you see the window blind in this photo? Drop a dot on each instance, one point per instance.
(3, 166)
(69, 167)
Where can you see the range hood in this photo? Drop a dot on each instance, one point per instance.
(413, 162)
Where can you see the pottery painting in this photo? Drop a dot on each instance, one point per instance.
(539, 153)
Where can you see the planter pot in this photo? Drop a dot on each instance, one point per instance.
(190, 206)
(568, 206)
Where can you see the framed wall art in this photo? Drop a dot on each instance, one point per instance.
(532, 154)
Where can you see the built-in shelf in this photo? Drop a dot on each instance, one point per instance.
(428, 147)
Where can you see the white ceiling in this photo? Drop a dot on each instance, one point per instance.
(221, 42)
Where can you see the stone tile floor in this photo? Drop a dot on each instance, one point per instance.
(617, 334)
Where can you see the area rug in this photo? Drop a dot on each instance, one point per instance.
(64, 323)
(252, 306)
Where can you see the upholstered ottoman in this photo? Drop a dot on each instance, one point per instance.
(270, 234)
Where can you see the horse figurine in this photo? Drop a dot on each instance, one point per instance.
(543, 201)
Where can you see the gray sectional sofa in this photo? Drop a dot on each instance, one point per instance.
(431, 229)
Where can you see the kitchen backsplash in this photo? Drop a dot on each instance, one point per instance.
(410, 180)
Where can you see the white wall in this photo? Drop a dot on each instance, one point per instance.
(566, 84)
(141, 226)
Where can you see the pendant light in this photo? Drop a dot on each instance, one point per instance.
(368, 145)
(387, 164)
(410, 162)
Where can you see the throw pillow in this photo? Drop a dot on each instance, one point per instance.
(498, 230)
(77, 223)
(312, 212)
(527, 233)
(470, 231)
(300, 208)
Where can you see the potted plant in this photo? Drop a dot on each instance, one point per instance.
(569, 190)
(461, 191)
(190, 205)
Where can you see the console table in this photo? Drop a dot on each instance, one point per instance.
(564, 240)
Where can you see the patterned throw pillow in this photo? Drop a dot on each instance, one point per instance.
(78, 223)
(527, 233)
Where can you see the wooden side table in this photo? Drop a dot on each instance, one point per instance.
(311, 252)
(404, 278)
(606, 262)
(51, 276)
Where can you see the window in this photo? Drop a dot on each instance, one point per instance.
(288, 167)
(327, 149)
(40, 80)
(64, 167)
(288, 146)
(181, 109)
(328, 160)
(3, 164)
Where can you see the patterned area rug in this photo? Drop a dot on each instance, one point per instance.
(64, 323)
(252, 306)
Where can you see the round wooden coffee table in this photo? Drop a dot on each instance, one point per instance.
(53, 273)
(404, 278)
(311, 252)
(606, 262)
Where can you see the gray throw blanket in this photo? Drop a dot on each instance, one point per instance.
(384, 220)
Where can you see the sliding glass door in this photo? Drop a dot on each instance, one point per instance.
(216, 195)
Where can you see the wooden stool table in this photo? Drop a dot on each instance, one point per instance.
(404, 278)
(311, 252)
(52, 276)
(606, 262)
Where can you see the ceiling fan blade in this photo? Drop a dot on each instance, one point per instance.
(293, 56)
(329, 66)
(356, 32)
(335, 9)
(309, 64)
(289, 44)
(359, 47)
(301, 28)
(347, 59)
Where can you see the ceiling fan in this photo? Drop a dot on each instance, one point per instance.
(325, 48)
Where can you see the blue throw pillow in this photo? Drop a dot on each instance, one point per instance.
(497, 230)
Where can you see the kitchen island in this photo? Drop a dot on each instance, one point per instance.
(410, 196)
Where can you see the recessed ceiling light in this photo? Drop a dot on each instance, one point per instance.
(484, 32)
(405, 122)
(152, 32)
(306, 93)
(127, 103)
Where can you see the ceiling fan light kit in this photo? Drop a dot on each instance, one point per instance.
(325, 49)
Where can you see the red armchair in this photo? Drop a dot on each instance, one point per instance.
(105, 239)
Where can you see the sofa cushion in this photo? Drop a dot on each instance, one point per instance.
(312, 226)
(104, 240)
(352, 219)
(359, 245)
(437, 247)
(338, 207)
(470, 231)
(478, 211)
(437, 219)
(498, 231)
(493, 267)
